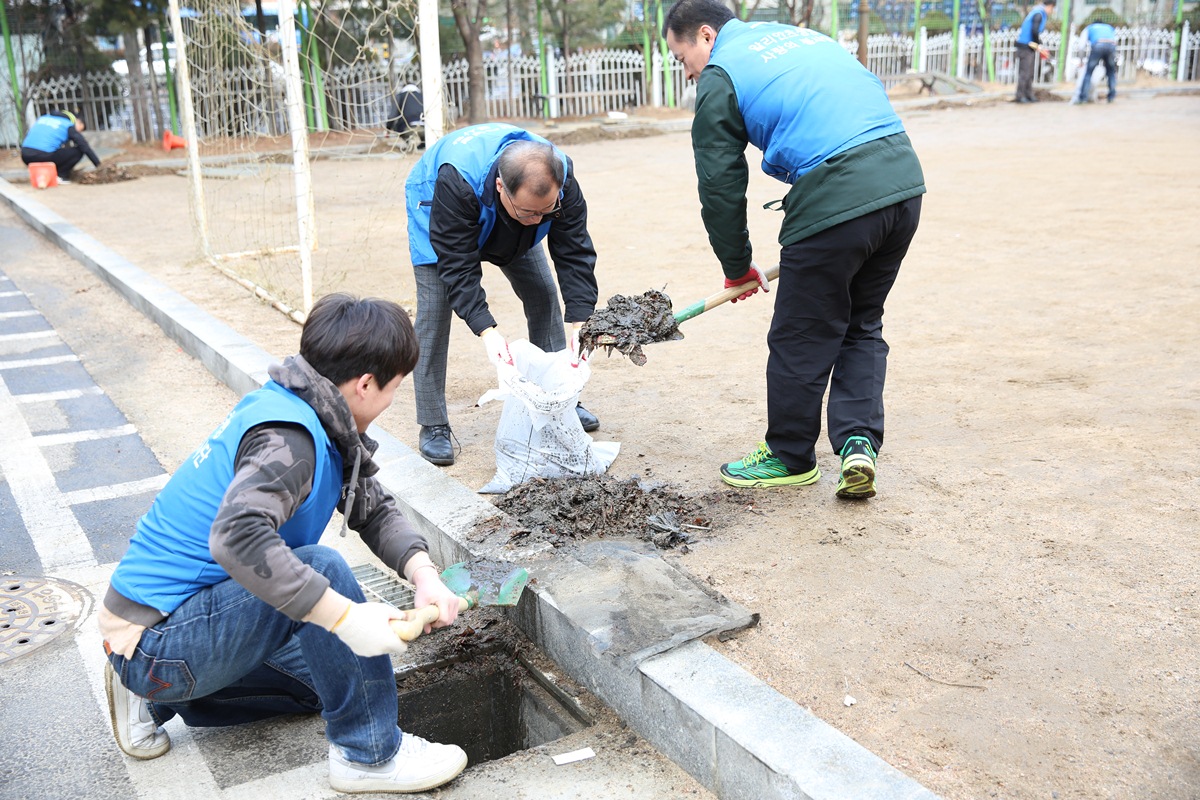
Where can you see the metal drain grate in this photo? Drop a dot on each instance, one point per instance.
(382, 586)
(35, 611)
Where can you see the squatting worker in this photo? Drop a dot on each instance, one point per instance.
(1029, 49)
(492, 193)
(226, 610)
(57, 138)
(825, 126)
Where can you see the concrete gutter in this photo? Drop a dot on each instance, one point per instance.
(728, 729)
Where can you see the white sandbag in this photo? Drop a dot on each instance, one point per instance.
(539, 434)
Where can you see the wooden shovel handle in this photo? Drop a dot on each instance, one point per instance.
(412, 627)
(723, 296)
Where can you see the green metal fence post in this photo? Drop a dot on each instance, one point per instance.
(542, 61)
(668, 84)
(170, 76)
(18, 106)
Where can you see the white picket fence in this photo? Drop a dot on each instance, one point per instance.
(584, 84)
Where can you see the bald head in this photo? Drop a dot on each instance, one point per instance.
(532, 166)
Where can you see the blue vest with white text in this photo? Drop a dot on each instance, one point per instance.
(473, 151)
(168, 558)
(1026, 34)
(802, 96)
(48, 133)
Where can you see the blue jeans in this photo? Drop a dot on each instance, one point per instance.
(225, 657)
(1106, 52)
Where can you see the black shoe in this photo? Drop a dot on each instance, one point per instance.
(436, 447)
(589, 420)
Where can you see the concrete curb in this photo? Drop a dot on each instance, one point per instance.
(728, 729)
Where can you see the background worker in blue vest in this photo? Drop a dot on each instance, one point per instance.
(492, 193)
(1029, 49)
(58, 138)
(826, 128)
(225, 610)
(1102, 39)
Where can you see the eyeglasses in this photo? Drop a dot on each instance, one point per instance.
(524, 213)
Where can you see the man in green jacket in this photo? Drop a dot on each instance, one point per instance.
(826, 128)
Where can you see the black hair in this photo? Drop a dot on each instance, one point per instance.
(535, 163)
(686, 16)
(345, 337)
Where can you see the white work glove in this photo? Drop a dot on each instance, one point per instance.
(496, 347)
(577, 354)
(366, 629)
(754, 279)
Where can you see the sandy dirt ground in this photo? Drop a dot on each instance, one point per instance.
(1016, 613)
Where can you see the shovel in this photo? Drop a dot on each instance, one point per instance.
(707, 304)
(482, 584)
(723, 296)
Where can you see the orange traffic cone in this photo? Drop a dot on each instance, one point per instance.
(171, 141)
(43, 174)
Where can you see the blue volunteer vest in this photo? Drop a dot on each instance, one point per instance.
(473, 151)
(168, 558)
(48, 133)
(802, 96)
(1099, 31)
(1026, 34)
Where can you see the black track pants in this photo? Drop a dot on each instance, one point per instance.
(829, 319)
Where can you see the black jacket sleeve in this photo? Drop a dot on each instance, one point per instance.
(454, 235)
(573, 254)
(76, 138)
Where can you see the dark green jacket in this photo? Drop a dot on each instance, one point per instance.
(860, 180)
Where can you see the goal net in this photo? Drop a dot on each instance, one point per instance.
(300, 118)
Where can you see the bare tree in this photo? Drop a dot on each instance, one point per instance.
(468, 18)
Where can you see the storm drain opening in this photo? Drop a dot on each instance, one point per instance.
(480, 684)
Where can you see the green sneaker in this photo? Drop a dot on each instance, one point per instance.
(762, 468)
(858, 469)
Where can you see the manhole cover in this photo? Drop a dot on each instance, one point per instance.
(34, 611)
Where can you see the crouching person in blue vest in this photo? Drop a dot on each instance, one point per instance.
(225, 609)
(825, 128)
(493, 193)
(57, 138)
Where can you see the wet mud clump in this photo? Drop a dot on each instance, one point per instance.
(627, 323)
(559, 510)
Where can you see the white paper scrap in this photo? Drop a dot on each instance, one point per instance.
(573, 756)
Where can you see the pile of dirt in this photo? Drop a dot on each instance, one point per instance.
(602, 133)
(560, 510)
(115, 173)
(627, 323)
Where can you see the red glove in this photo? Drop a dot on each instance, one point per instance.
(754, 279)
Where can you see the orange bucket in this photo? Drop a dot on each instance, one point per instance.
(171, 141)
(43, 174)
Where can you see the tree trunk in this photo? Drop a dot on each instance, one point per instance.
(468, 27)
(137, 89)
(159, 123)
(864, 30)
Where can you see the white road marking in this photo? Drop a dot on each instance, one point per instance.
(52, 439)
(50, 397)
(14, 337)
(56, 534)
(15, 314)
(115, 490)
(22, 363)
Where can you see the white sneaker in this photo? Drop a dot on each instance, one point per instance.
(417, 767)
(137, 733)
